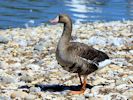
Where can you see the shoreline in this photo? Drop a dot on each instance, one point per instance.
(74, 23)
(27, 57)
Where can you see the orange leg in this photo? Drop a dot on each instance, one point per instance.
(82, 90)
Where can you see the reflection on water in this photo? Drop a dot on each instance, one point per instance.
(98, 10)
(130, 9)
(24, 13)
(84, 10)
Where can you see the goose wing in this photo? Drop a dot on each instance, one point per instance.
(87, 52)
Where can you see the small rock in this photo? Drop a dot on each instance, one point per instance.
(7, 78)
(16, 66)
(83, 36)
(131, 97)
(99, 80)
(117, 41)
(33, 67)
(131, 51)
(26, 77)
(98, 40)
(115, 96)
(122, 86)
(19, 94)
(88, 93)
(39, 47)
(4, 39)
(22, 42)
(112, 73)
(120, 81)
(4, 65)
(30, 97)
(35, 89)
(77, 97)
(119, 61)
(5, 98)
(95, 98)
(95, 90)
(42, 44)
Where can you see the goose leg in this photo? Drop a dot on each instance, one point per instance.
(80, 79)
(83, 88)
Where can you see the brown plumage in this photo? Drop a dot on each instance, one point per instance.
(76, 57)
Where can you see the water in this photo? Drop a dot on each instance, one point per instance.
(24, 13)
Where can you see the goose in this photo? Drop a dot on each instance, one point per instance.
(76, 57)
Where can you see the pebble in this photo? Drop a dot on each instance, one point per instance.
(118, 41)
(131, 51)
(16, 66)
(115, 96)
(97, 40)
(4, 65)
(35, 89)
(26, 77)
(19, 94)
(99, 80)
(22, 42)
(4, 39)
(5, 78)
(5, 98)
(40, 46)
(34, 67)
(128, 93)
(30, 97)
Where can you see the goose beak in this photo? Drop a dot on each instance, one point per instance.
(55, 20)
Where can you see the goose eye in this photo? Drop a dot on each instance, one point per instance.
(60, 17)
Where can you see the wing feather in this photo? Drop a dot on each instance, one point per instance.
(87, 52)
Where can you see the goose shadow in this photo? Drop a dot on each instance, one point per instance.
(56, 87)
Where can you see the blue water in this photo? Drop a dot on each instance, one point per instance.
(24, 13)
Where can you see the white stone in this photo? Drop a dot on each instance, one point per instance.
(117, 41)
(35, 89)
(131, 51)
(97, 40)
(33, 67)
(5, 78)
(22, 42)
(4, 65)
(115, 96)
(16, 65)
(3, 39)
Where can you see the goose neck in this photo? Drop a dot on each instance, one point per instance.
(66, 35)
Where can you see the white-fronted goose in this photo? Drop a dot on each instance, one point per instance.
(76, 57)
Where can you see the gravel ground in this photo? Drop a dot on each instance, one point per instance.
(29, 70)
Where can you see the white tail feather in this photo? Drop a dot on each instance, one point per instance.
(100, 64)
(104, 63)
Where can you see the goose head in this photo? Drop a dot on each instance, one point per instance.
(62, 18)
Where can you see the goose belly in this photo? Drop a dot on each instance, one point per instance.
(75, 68)
(66, 65)
(81, 69)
